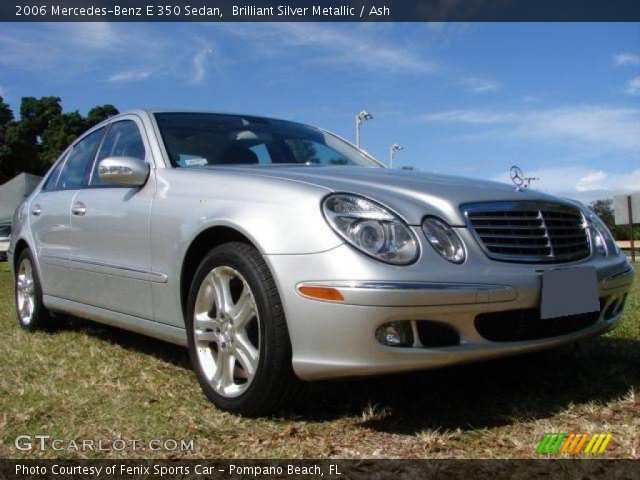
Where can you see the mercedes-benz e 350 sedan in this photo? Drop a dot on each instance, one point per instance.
(278, 252)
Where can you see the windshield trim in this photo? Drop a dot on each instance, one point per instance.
(357, 149)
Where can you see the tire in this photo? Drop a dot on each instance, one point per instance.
(241, 353)
(31, 312)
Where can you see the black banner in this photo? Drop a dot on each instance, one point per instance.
(320, 11)
(316, 469)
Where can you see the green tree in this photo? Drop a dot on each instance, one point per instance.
(6, 119)
(604, 209)
(37, 113)
(34, 141)
(61, 131)
(100, 113)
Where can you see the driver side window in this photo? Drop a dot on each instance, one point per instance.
(123, 139)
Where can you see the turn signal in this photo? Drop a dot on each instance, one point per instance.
(320, 293)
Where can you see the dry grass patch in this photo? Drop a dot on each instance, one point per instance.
(88, 381)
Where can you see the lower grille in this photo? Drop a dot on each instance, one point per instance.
(529, 231)
(436, 334)
(521, 325)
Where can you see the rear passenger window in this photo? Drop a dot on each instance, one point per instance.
(52, 179)
(75, 172)
(122, 140)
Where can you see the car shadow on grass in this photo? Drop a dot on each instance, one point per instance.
(168, 352)
(485, 394)
(466, 397)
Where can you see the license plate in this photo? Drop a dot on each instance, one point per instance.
(569, 291)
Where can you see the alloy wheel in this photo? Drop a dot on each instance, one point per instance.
(227, 331)
(25, 289)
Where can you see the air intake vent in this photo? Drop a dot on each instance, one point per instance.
(529, 232)
(522, 325)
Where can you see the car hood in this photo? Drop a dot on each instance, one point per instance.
(412, 195)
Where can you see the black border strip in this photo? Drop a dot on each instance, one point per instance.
(322, 11)
(451, 469)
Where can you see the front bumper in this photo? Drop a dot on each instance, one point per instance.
(337, 339)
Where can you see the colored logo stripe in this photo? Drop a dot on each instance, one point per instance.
(598, 443)
(550, 443)
(577, 448)
(573, 443)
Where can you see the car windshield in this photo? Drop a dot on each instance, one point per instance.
(202, 139)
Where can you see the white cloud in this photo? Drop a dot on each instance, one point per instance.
(358, 46)
(199, 63)
(130, 75)
(101, 35)
(634, 86)
(591, 181)
(112, 51)
(3, 91)
(622, 59)
(470, 116)
(479, 85)
(580, 182)
(67, 45)
(603, 127)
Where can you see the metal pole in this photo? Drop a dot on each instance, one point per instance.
(392, 151)
(629, 210)
(358, 121)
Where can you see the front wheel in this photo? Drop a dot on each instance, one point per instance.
(238, 339)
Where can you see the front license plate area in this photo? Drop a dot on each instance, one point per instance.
(569, 291)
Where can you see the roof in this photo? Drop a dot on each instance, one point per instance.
(151, 111)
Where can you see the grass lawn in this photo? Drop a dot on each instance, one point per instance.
(88, 381)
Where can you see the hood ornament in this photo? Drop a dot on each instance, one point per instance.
(517, 177)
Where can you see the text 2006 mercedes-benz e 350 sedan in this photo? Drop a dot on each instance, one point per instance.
(279, 252)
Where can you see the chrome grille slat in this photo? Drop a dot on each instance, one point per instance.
(574, 244)
(509, 219)
(530, 232)
(510, 227)
(510, 236)
(516, 245)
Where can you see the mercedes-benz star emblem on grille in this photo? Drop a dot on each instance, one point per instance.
(517, 177)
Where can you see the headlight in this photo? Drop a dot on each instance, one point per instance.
(371, 228)
(603, 241)
(444, 239)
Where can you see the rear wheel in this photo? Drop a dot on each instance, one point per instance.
(238, 339)
(32, 315)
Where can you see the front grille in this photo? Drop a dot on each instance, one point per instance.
(529, 232)
(521, 325)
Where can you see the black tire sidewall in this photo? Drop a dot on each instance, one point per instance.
(40, 316)
(230, 255)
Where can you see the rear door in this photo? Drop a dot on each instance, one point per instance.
(50, 210)
(110, 233)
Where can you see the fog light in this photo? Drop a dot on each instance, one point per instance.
(395, 334)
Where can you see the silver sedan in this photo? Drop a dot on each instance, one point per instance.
(278, 252)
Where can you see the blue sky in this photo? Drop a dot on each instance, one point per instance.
(560, 100)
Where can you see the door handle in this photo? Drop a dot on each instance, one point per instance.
(79, 209)
(36, 210)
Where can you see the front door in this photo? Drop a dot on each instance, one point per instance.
(110, 231)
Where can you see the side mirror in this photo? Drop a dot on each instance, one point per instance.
(123, 171)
